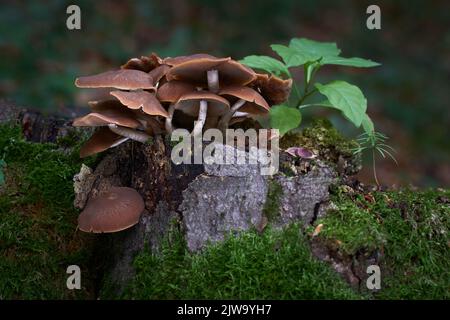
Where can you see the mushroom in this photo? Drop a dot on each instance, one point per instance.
(227, 71)
(141, 99)
(144, 63)
(181, 59)
(115, 210)
(204, 104)
(248, 101)
(116, 116)
(158, 73)
(194, 70)
(274, 89)
(125, 79)
(101, 140)
(171, 91)
(106, 113)
(135, 135)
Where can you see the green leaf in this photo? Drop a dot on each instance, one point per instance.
(314, 50)
(351, 62)
(347, 98)
(284, 118)
(291, 57)
(266, 63)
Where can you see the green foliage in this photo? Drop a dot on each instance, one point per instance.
(341, 95)
(267, 64)
(284, 118)
(347, 98)
(274, 265)
(410, 228)
(37, 219)
(312, 55)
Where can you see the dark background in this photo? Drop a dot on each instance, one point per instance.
(408, 95)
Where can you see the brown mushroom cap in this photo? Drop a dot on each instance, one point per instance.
(181, 59)
(112, 211)
(190, 103)
(101, 140)
(141, 99)
(255, 104)
(194, 70)
(159, 72)
(106, 112)
(274, 89)
(171, 91)
(143, 63)
(235, 73)
(125, 79)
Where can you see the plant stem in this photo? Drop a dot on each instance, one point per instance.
(306, 92)
(374, 168)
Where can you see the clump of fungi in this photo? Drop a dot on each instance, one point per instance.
(153, 96)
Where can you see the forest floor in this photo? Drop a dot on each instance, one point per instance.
(408, 230)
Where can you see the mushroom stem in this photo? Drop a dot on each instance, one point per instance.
(198, 128)
(115, 144)
(169, 126)
(129, 133)
(213, 80)
(225, 120)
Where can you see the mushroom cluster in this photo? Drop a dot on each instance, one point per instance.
(153, 96)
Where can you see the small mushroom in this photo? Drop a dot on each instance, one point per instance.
(204, 104)
(144, 63)
(125, 79)
(158, 73)
(117, 117)
(274, 89)
(248, 101)
(115, 210)
(301, 152)
(106, 113)
(141, 99)
(101, 140)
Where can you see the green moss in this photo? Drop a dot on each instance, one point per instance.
(37, 220)
(272, 205)
(322, 138)
(410, 228)
(274, 265)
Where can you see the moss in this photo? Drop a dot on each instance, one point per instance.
(272, 205)
(409, 228)
(274, 265)
(37, 220)
(323, 139)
